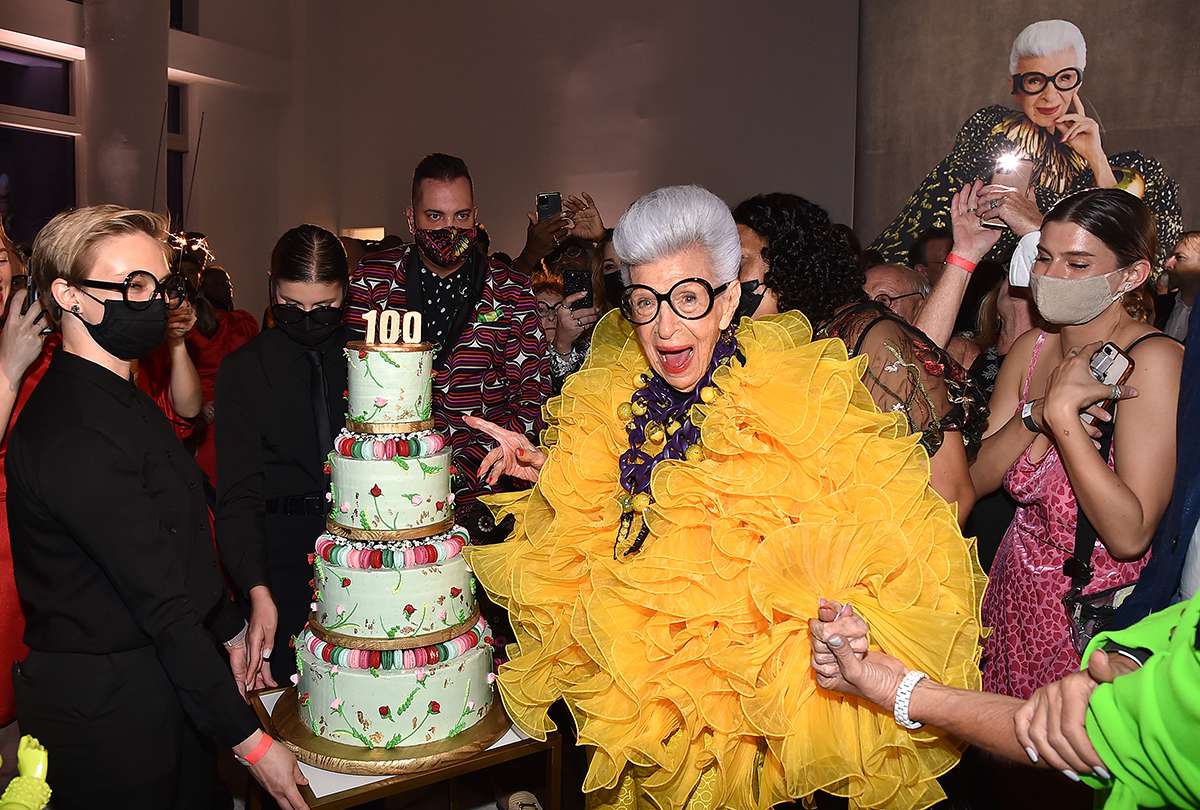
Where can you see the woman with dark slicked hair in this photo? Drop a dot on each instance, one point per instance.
(1095, 247)
(279, 400)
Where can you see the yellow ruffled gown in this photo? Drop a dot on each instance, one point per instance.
(686, 665)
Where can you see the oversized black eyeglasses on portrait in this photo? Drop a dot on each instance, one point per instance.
(1032, 83)
(141, 287)
(690, 299)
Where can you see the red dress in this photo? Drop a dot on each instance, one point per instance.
(153, 376)
(1030, 644)
(12, 620)
(234, 329)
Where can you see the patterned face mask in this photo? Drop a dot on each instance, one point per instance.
(446, 246)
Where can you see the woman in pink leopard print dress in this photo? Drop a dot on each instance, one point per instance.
(1095, 246)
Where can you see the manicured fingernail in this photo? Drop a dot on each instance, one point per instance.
(520, 453)
(266, 653)
(1102, 773)
(1033, 757)
(834, 641)
(1070, 774)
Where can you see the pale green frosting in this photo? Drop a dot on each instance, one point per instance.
(390, 495)
(389, 385)
(374, 709)
(386, 603)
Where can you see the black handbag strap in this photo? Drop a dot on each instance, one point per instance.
(1079, 566)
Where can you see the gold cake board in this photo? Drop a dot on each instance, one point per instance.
(334, 756)
(394, 535)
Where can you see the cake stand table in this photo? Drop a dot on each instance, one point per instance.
(330, 790)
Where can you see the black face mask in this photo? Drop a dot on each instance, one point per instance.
(125, 332)
(613, 288)
(752, 296)
(308, 328)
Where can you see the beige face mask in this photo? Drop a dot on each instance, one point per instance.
(1072, 301)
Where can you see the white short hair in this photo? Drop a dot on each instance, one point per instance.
(1046, 37)
(675, 218)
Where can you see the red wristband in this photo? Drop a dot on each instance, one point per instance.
(959, 261)
(260, 750)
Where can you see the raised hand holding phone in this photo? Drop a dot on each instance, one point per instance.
(1073, 388)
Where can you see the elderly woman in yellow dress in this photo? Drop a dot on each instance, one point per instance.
(700, 484)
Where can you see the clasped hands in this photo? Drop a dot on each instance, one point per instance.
(1049, 726)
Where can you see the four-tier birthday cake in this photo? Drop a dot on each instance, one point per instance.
(395, 653)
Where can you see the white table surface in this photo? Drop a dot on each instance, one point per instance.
(326, 783)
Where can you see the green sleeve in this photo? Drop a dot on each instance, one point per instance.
(1145, 726)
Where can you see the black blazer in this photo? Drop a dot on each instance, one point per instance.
(267, 446)
(111, 542)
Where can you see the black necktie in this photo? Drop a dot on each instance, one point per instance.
(320, 404)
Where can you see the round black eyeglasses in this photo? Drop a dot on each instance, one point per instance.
(690, 299)
(141, 287)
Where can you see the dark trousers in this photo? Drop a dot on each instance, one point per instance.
(290, 539)
(115, 732)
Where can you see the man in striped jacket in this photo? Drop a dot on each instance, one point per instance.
(480, 314)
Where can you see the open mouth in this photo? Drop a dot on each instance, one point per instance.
(1047, 111)
(675, 361)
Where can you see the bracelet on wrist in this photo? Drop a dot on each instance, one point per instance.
(260, 751)
(959, 261)
(1027, 417)
(904, 699)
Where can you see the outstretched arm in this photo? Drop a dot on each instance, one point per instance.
(979, 718)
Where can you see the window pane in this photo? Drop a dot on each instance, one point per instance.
(175, 189)
(37, 180)
(35, 82)
(175, 109)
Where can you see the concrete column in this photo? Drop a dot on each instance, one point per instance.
(125, 44)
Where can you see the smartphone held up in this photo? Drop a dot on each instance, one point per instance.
(1012, 173)
(549, 204)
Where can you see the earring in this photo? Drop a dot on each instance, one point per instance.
(75, 309)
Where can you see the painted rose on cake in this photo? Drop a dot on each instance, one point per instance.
(395, 703)
(389, 384)
(390, 494)
(391, 603)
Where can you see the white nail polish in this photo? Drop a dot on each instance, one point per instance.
(1033, 757)
(1070, 774)
(1102, 773)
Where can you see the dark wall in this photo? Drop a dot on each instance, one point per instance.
(926, 65)
(614, 99)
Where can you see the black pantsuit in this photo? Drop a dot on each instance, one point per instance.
(271, 482)
(125, 607)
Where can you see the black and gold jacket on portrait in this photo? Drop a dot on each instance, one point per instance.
(1058, 171)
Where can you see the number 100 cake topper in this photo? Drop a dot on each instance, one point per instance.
(388, 327)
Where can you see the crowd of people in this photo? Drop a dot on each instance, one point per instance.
(164, 476)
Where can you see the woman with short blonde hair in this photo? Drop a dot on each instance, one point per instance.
(112, 547)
